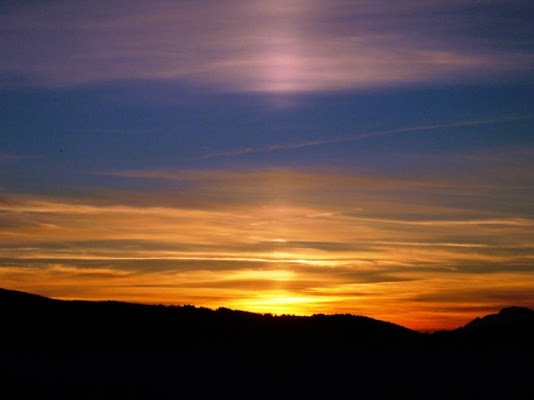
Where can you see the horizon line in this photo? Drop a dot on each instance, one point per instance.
(265, 314)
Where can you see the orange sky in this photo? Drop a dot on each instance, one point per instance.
(372, 157)
(275, 241)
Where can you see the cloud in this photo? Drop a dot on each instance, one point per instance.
(6, 157)
(275, 47)
(274, 240)
(361, 136)
(273, 216)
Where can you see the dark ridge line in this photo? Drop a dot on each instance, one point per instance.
(509, 314)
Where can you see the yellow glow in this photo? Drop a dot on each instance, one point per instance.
(301, 253)
(279, 303)
(273, 275)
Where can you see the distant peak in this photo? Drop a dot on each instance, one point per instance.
(508, 315)
(518, 311)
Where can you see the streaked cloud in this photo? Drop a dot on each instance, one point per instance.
(361, 136)
(6, 157)
(266, 46)
(274, 241)
(287, 156)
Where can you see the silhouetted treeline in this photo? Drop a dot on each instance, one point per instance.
(94, 350)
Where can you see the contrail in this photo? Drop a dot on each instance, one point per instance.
(359, 136)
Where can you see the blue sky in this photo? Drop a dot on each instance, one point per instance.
(376, 141)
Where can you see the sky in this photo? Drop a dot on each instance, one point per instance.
(289, 157)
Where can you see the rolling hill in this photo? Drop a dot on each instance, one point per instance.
(79, 349)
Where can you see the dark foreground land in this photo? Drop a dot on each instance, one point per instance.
(98, 350)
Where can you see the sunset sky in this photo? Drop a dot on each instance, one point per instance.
(372, 157)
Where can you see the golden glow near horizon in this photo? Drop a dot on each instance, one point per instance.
(282, 241)
(428, 220)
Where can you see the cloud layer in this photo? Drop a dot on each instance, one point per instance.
(217, 153)
(279, 241)
(267, 46)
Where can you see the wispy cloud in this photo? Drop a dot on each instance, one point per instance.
(6, 157)
(274, 241)
(275, 46)
(361, 136)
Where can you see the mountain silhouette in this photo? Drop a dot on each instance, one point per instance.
(80, 349)
(505, 318)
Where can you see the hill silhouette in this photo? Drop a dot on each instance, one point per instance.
(78, 349)
(507, 317)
